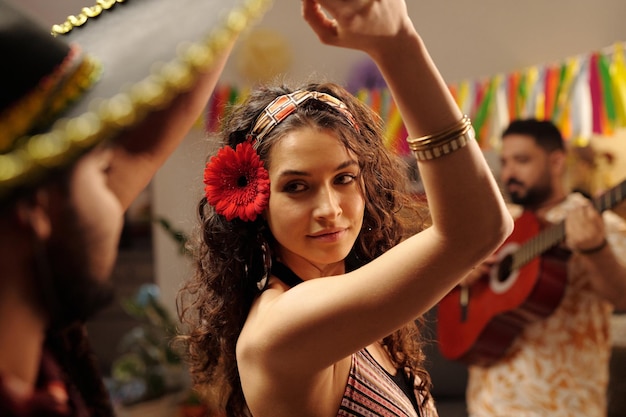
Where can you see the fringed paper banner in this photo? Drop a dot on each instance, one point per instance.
(595, 92)
(607, 94)
(617, 73)
(583, 95)
(223, 98)
(501, 116)
(579, 126)
(552, 75)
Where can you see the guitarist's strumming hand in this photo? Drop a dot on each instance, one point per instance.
(480, 271)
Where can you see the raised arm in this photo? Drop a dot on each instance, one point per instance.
(382, 29)
(324, 320)
(140, 151)
(470, 219)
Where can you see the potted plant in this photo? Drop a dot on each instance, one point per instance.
(149, 377)
(147, 368)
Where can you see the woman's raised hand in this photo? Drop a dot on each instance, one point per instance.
(366, 25)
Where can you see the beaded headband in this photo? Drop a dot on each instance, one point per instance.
(283, 106)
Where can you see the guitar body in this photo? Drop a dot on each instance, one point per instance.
(501, 305)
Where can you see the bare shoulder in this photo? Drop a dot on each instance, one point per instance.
(282, 394)
(274, 390)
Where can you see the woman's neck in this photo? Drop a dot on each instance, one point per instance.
(306, 269)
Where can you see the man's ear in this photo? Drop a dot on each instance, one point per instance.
(33, 212)
(558, 161)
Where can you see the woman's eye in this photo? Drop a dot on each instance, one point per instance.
(346, 178)
(294, 187)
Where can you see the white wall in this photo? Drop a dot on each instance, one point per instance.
(469, 39)
(466, 39)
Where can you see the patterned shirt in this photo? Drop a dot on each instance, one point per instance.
(558, 366)
(371, 392)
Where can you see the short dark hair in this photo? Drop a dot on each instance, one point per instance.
(545, 133)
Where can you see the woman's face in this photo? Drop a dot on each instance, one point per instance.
(316, 203)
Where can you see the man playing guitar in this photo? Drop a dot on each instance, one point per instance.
(557, 365)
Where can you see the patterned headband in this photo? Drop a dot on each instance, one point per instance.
(283, 106)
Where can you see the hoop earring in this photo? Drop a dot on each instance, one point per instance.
(266, 257)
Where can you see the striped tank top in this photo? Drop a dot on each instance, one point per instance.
(371, 392)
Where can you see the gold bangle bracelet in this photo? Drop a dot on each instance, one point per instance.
(451, 145)
(440, 140)
(452, 131)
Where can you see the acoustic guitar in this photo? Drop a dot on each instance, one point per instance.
(478, 324)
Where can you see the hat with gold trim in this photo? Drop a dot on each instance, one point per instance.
(99, 72)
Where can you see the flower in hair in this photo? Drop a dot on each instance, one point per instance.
(237, 183)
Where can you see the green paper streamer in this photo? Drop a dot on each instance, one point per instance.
(522, 95)
(609, 100)
(559, 90)
(483, 109)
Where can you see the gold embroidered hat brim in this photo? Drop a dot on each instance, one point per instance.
(149, 52)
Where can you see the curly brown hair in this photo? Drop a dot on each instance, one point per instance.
(214, 303)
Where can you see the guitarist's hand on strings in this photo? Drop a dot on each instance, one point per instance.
(585, 232)
(584, 229)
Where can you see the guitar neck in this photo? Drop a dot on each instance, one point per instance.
(610, 198)
(555, 234)
(539, 244)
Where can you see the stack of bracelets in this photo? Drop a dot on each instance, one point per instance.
(442, 143)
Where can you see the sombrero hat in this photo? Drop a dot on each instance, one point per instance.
(99, 72)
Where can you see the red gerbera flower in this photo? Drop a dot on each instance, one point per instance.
(237, 183)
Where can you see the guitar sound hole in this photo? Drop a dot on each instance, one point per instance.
(504, 270)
